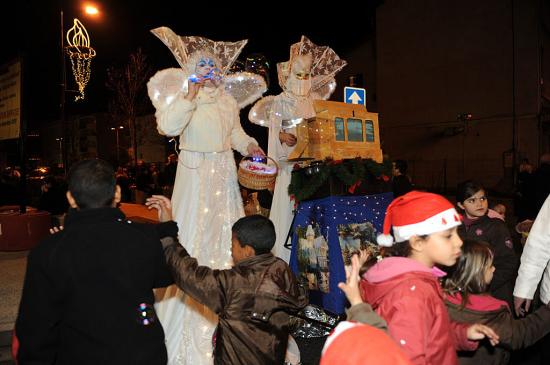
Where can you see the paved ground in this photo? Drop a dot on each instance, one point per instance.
(12, 273)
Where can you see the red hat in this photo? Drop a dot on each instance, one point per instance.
(417, 213)
(356, 344)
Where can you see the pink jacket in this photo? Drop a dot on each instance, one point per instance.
(408, 296)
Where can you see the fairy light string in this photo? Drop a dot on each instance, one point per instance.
(81, 53)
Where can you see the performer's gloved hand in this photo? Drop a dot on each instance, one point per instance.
(193, 89)
(287, 138)
(163, 205)
(255, 150)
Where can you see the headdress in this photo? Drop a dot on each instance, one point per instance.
(187, 49)
(163, 87)
(325, 64)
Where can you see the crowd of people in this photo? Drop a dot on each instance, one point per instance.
(440, 291)
(207, 284)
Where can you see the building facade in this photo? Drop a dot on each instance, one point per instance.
(459, 87)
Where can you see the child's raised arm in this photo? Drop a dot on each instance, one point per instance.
(359, 311)
(351, 286)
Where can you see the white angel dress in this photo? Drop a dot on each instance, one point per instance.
(206, 199)
(307, 76)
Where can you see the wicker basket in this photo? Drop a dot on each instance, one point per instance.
(254, 180)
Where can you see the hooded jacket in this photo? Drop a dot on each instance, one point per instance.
(506, 262)
(514, 333)
(408, 296)
(253, 301)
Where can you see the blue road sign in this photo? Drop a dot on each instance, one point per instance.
(355, 95)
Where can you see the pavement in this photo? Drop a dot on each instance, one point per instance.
(12, 273)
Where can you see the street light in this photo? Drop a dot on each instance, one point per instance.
(90, 10)
(117, 130)
(60, 140)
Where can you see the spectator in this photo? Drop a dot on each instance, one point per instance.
(143, 182)
(473, 204)
(497, 210)
(53, 199)
(123, 181)
(541, 183)
(168, 176)
(88, 290)
(401, 183)
(468, 300)
(253, 299)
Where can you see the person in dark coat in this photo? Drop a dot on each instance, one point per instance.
(541, 184)
(472, 201)
(253, 299)
(123, 180)
(88, 291)
(468, 301)
(401, 184)
(53, 198)
(524, 194)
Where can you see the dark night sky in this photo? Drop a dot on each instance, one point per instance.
(124, 26)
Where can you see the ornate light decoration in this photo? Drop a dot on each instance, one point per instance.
(81, 53)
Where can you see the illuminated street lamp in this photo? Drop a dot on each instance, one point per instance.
(117, 129)
(60, 140)
(91, 9)
(77, 37)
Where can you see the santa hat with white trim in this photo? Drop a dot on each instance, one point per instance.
(355, 344)
(417, 213)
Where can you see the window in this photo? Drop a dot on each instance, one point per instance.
(355, 130)
(339, 129)
(369, 131)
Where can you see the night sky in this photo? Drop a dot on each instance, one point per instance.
(124, 26)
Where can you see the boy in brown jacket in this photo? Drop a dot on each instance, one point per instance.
(253, 299)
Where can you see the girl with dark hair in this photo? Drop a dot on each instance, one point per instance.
(472, 200)
(405, 290)
(468, 300)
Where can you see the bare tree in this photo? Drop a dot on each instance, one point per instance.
(129, 94)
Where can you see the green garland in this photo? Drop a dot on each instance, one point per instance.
(301, 186)
(356, 174)
(350, 172)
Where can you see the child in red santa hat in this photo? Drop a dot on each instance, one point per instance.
(402, 283)
(354, 343)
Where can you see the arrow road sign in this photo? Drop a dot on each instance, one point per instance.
(355, 95)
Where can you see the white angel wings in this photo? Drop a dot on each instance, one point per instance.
(166, 84)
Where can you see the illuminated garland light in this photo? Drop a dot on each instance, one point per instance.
(81, 53)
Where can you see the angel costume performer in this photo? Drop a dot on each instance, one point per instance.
(307, 76)
(206, 199)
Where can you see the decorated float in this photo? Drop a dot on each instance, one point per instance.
(340, 184)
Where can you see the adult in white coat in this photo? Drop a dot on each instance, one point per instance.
(535, 263)
(193, 104)
(307, 76)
